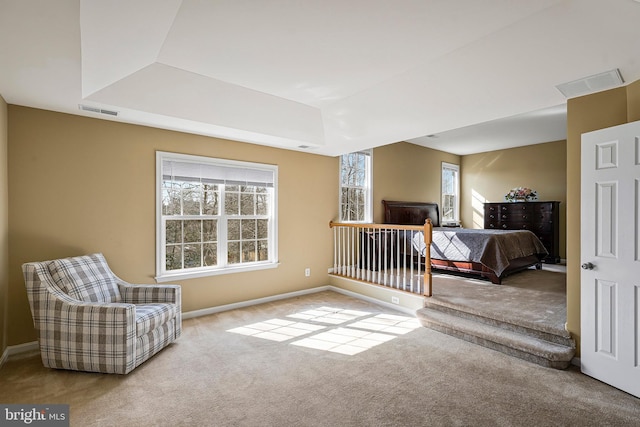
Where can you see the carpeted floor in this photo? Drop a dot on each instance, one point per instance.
(271, 365)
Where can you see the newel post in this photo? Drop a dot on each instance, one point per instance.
(428, 232)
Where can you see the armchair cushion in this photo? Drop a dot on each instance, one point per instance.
(85, 278)
(150, 316)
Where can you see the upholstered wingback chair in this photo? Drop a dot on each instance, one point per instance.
(88, 319)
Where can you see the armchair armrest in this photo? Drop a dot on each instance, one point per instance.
(145, 294)
(87, 336)
(148, 294)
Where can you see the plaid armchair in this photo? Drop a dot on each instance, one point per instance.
(88, 319)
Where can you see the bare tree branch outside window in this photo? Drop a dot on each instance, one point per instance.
(354, 186)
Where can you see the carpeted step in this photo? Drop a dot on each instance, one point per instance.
(519, 325)
(507, 341)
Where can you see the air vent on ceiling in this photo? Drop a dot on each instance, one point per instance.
(98, 110)
(591, 84)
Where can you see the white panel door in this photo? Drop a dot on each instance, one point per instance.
(610, 252)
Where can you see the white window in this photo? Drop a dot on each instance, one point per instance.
(214, 216)
(450, 193)
(355, 187)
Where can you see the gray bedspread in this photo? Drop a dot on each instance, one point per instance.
(492, 248)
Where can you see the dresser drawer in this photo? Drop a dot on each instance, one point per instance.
(509, 208)
(543, 208)
(498, 225)
(494, 225)
(542, 227)
(516, 217)
(542, 216)
(517, 208)
(511, 225)
(519, 225)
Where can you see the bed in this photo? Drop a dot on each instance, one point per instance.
(491, 254)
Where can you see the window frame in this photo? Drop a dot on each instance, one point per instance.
(456, 208)
(368, 187)
(164, 275)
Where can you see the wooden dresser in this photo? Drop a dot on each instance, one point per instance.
(542, 218)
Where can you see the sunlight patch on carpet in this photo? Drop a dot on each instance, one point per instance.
(330, 315)
(344, 340)
(358, 331)
(276, 329)
(388, 323)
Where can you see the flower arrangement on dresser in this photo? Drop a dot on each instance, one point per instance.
(521, 194)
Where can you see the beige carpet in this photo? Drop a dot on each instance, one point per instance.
(419, 377)
(534, 298)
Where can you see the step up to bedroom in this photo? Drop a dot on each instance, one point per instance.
(553, 348)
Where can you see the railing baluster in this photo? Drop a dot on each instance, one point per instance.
(385, 258)
(354, 255)
(349, 252)
(354, 242)
(368, 237)
(378, 254)
(360, 249)
(335, 249)
(379, 263)
(340, 251)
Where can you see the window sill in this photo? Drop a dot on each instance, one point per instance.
(205, 273)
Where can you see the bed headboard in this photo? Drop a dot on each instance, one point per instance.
(410, 213)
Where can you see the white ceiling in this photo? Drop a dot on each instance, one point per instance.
(336, 76)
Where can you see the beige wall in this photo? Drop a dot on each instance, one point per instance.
(79, 185)
(407, 172)
(489, 176)
(633, 101)
(4, 228)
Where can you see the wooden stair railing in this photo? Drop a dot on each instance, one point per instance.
(381, 254)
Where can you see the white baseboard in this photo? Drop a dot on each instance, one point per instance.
(392, 306)
(227, 307)
(19, 351)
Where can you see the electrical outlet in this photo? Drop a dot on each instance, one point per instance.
(307, 272)
(395, 300)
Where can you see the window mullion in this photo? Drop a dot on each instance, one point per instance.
(222, 228)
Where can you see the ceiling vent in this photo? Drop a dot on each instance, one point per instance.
(98, 110)
(591, 84)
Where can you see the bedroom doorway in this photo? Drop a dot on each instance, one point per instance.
(610, 256)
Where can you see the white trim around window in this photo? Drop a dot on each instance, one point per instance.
(450, 193)
(355, 195)
(214, 216)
